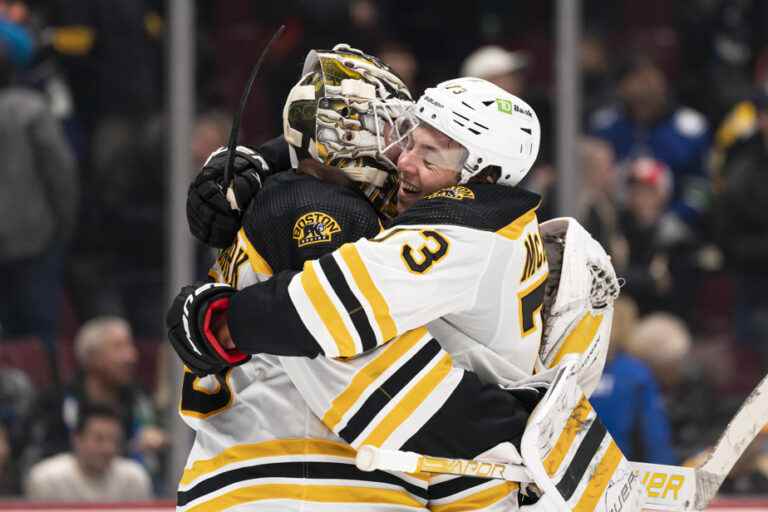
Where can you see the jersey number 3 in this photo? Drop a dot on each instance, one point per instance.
(430, 252)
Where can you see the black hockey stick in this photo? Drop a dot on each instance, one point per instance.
(243, 99)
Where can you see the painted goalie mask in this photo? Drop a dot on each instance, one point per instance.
(350, 111)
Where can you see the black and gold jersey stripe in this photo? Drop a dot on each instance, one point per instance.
(338, 282)
(467, 493)
(359, 385)
(390, 389)
(294, 469)
(343, 497)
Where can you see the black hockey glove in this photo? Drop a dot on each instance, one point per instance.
(189, 323)
(213, 216)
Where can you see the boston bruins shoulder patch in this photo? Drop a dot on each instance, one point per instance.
(455, 192)
(314, 228)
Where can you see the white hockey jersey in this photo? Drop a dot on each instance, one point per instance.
(259, 440)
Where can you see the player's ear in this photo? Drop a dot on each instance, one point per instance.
(490, 174)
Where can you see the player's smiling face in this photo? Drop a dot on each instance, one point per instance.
(431, 161)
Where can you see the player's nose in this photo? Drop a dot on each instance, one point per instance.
(406, 162)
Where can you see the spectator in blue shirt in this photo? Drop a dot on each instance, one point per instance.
(628, 400)
(648, 123)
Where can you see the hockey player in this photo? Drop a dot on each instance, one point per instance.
(256, 441)
(366, 418)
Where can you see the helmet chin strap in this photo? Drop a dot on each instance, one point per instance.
(367, 174)
(293, 156)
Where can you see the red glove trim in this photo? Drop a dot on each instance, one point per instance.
(230, 356)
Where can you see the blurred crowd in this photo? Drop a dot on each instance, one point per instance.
(673, 151)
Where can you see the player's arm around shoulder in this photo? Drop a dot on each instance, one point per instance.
(367, 293)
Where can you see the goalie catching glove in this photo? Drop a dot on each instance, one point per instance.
(213, 213)
(190, 322)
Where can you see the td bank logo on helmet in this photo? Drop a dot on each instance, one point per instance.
(508, 107)
(314, 228)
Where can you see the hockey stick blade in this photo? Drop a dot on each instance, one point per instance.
(243, 99)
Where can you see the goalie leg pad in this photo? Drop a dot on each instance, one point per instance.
(572, 457)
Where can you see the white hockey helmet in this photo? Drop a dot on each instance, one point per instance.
(496, 128)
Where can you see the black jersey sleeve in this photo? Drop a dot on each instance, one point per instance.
(275, 153)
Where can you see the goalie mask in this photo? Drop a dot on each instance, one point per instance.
(350, 111)
(498, 130)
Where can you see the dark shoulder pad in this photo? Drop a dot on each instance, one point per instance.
(484, 206)
(296, 218)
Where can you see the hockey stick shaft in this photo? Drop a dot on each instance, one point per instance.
(370, 458)
(234, 132)
(666, 487)
(750, 419)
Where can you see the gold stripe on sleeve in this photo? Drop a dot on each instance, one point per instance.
(372, 294)
(410, 402)
(327, 312)
(369, 373)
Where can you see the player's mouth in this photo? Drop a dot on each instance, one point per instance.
(408, 189)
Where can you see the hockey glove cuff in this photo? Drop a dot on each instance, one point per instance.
(189, 322)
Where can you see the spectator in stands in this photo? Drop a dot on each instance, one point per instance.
(628, 399)
(742, 225)
(499, 66)
(646, 266)
(597, 206)
(107, 357)
(93, 471)
(16, 397)
(111, 57)
(38, 201)
(647, 123)
(401, 59)
(597, 84)
(697, 413)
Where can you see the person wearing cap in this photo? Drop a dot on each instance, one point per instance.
(648, 191)
(499, 66)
